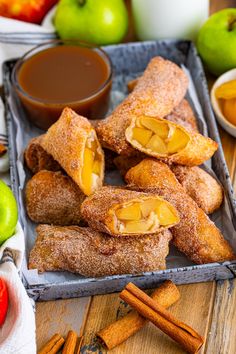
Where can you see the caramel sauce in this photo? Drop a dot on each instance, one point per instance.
(67, 75)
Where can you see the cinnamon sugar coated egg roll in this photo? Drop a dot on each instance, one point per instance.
(73, 143)
(120, 212)
(200, 186)
(37, 159)
(53, 198)
(96, 254)
(169, 141)
(160, 89)
(195, 235)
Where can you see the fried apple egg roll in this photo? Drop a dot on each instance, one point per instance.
(120, 212)
(169, 141)
(195, 235)
(93, 254)
(37, 159)
(160, 89)
(73, 143)
(200, 186)
(53, 198)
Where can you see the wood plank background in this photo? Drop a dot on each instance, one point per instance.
(207, 307)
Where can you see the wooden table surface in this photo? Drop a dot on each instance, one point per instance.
(208, 307)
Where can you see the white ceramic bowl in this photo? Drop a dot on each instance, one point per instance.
(229, 127)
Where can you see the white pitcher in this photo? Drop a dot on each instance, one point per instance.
(158, 19)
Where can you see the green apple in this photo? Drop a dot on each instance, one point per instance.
(216, 41)
(8, 212)
(99, 22)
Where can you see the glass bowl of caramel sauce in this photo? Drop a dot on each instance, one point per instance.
(61, 74)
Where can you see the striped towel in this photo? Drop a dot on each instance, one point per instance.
(16, 38)
(18, 333)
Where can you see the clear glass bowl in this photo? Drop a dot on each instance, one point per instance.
(42, 112)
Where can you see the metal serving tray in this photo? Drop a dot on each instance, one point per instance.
(128, 60)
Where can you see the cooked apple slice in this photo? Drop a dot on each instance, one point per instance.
(129, 212)
(165, 138)
(148, 206)
(159, 128)
(157, 144)
(165, 214)
(97, 166)
(92, 169)
(87, 170)
(178, 140)
(136, 227)
(142, 135)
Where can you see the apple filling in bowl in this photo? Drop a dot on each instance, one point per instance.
(157, 136)
(93, 165)
(146, 215)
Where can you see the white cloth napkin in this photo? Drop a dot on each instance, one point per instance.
(17, 335)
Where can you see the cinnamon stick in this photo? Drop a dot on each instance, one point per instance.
(3, 150)
(119, 331)
(189, 339)
(70, 343)
(53, 345)
(80, 341)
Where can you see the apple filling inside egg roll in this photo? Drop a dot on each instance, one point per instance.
(121, 212)
(143, 216)
(92, 168)
(160, 138)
